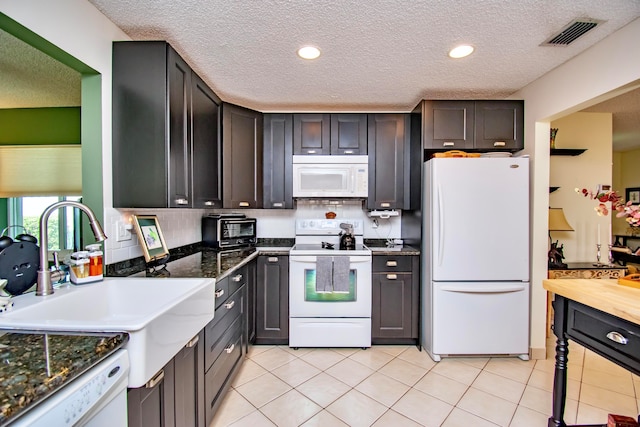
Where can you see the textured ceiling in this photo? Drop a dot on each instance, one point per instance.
(377, 55)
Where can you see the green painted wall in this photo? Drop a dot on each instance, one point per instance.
(22, 126)
(3, 214)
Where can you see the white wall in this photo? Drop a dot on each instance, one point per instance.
(580, 82)
(592, 131)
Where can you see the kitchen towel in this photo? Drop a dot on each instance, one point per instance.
(324, 273)
(341, 266)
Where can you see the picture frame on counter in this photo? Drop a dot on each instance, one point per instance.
(150, 237)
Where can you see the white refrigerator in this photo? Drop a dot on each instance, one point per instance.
(475, 257)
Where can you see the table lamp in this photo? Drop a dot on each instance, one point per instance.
(557, 222)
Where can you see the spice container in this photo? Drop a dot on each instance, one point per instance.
(95, 260)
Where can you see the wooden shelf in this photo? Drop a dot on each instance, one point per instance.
(567, 151)
(552, 189)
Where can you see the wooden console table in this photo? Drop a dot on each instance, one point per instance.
(587, 270)
(602, 316)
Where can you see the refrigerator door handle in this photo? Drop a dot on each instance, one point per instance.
(484, 289)
(440, 226)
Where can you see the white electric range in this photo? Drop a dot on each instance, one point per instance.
(329, 287)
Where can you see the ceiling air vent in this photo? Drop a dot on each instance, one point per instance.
(571, 32)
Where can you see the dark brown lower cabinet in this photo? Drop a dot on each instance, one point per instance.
(174, 396)
(395, 299)
(272, 300)
(225, 348)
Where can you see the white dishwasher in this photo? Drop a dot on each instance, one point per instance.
(97, 398)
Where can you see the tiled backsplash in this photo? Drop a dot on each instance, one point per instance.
(182, 226)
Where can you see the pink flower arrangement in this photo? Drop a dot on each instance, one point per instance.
(629, 211)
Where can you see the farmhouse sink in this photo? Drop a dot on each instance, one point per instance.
(160, 315)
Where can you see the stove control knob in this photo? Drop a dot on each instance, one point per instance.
(312, 223)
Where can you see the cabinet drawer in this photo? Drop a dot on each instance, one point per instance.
(214, 333)
(607, 334)
(222, 291)
(381, 263)
(219, 374)
(237, 279)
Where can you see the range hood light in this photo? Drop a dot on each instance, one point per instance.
(308, 52)
(461, 51)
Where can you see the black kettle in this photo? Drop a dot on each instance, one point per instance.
(347, 239)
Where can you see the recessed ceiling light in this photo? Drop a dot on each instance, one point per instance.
(308, 52)
(461, 51)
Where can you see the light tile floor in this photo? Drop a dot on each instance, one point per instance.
(400, 386)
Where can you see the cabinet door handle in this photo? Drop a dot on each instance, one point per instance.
(278, 204)
(617, 337)
(448, 144)
(499, 144)
(229, 305)
(385, 204)
(182, 201)
(155, 380)
(392, 276)
(208, 203)
(193, 342)
(237, 277)
(230, 349)
(311, 151)
(219, 293)
(392, 263)
(243, 204)
(348, 151)
(272, 259)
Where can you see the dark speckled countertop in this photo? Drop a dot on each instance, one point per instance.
(33, 365)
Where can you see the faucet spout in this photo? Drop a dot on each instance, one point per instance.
(44, 286)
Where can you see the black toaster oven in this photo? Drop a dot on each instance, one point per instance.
(228, 231)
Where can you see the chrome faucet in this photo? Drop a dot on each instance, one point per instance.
(44, 286)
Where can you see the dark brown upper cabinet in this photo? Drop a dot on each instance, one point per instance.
(326, 134)
(278, 156)
(389, 161)
(165, 130)
(348, 134)
(473, 125)
(242, 133)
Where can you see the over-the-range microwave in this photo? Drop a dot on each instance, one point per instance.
(330, 176)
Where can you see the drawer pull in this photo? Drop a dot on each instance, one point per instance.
(193, 342)
(617, 337)
(243, 204)
(219, 293)
(499, 144)
(385, 204)
(182, 202)
(230, 305)
(230, 349)
(208, 203)
(155, 380)
(237, 277)
(348, 151)
(272, 259)
(392, 276)
(311, 151)
(278, 204)
(448, 144)
(392, 263)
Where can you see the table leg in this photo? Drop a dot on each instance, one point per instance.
(562, 359)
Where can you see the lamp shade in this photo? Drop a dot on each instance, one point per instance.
(557, 220)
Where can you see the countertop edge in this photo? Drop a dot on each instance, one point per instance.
(602, 294)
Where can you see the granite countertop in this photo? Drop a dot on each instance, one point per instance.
(197, 260)
(34, 365)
